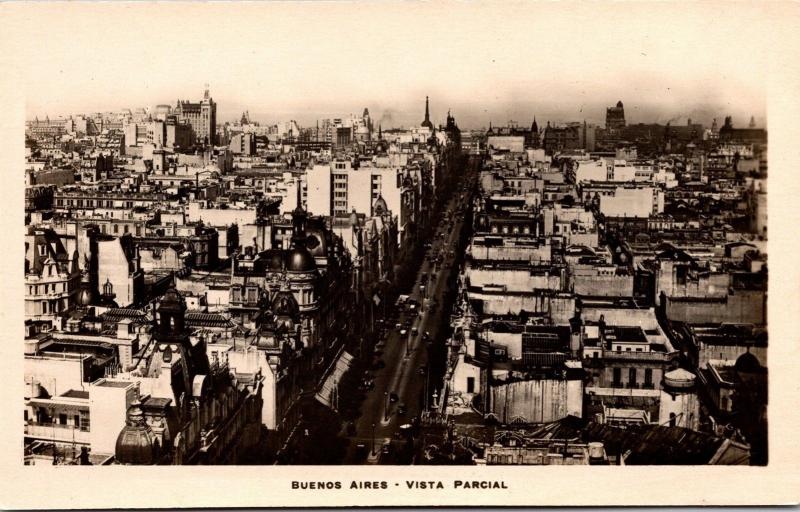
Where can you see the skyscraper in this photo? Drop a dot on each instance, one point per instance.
(201, 116)
(615, 117)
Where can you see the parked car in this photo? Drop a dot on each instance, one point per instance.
(401, 409)
(393, 397)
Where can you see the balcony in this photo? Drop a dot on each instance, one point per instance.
(57, 433)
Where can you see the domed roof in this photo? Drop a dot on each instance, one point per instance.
(300, 260)
(380, 207)
(679, 379)
(747, 363)
(136, 443)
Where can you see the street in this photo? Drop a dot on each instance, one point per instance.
(405, 355)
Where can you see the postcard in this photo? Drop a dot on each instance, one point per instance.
(399, 254)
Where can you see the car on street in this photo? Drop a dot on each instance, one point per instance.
(393, 397)
(414, 331)
(401, 409)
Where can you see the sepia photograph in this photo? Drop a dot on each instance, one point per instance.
(291, 236)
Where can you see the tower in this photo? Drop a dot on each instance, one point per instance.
(427, 122)
(678, 405)
(536, 141)
(615, 117)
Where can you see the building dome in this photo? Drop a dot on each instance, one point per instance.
(136, 443)
(380, 207)
(85, 295)
(300, 260)
(679, 379)
(747, 363)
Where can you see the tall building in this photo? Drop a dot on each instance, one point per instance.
(615, 117)
(427, 122)
(201, 116)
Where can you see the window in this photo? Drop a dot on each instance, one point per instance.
(617, 377)
(62, 419)
(632, 377)
(648, 377)
(470, 384)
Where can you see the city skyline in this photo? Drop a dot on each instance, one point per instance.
(523, 115)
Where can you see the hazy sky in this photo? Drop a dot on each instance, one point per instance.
(489, 61)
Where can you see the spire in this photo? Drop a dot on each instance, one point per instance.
(535, 126)
(752, 122)
(298, 221)
(427, 122)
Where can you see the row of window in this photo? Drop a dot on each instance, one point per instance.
(54, 307)
(513, 229)
(39, 289)
(632, 377)
(96, 203)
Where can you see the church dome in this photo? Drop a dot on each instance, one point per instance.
(300, 260)
(136, 443)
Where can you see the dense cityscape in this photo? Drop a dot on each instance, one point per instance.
(209, 291)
